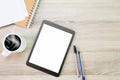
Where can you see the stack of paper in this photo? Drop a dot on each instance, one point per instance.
(12, 11)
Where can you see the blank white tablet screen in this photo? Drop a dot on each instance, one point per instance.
(50, 48)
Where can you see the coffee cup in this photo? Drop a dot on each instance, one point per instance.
(13, 43)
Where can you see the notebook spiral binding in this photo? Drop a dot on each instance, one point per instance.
(32, 13)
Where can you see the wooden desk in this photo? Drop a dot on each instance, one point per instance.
(97, 26)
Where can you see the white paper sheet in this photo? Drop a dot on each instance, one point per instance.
(12, 11)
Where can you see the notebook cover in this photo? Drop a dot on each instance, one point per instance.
(29, 5)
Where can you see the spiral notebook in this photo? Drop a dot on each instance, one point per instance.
(31, 6)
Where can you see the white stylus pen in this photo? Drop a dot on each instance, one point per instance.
(76, 61)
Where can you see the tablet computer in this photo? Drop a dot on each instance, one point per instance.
(50, 48)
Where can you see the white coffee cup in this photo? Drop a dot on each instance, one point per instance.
(13, 43)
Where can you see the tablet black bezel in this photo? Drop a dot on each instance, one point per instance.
(41, 68)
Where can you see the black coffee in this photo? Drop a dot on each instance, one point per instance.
(12, 42)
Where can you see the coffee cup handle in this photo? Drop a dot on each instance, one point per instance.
(6, 53)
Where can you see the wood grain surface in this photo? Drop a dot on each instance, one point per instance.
(97, 27)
